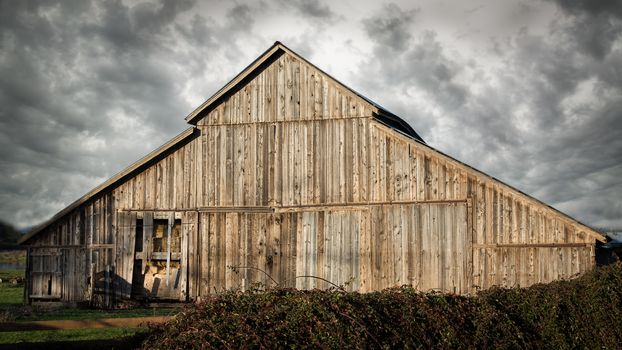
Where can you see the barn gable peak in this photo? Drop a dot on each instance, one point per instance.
(268, 58)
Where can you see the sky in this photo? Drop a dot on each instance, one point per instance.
(527, 91)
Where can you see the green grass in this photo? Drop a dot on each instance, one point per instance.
(12, 308)
(5, 275)
(11, 294)
(13, 256)
(67, 335)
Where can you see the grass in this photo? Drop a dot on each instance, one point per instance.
(86, 314)
(8, 274)
(11, 294)
(68, 335)
(12, 309)
(13, 256)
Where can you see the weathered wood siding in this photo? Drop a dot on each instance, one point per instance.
(283, 164)
(287, 90)
(362, 248)
(291, 177)
(169, 184)
(290, 136)
(56, 261)
(517, 241)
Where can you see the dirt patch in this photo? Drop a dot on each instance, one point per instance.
(75, 324)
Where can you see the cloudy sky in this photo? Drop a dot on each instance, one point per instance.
(528, 91)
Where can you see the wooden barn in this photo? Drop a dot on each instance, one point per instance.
(286, 176)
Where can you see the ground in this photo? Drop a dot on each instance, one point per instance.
(13, 310)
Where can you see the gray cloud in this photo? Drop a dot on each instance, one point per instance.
(610, 7)
(88, 87)
(402, 61)
(314, 9)
(595, 25)
(391, 28)
(82, 83)
(525, 121)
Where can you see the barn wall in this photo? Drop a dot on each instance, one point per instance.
(517, 241)
(291, 174)
(287, 90)
(88, 253)
(364, 248)
(168, 184)
(283, 164)
(73, 259)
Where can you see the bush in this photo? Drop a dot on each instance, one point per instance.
(582, 313)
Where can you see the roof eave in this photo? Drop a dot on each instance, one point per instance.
(592, 231)
(197, 113)
(110, 182)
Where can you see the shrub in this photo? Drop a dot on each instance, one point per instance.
(581, 313)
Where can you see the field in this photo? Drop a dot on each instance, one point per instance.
(12, 310)
(11, 295)
(13, 256)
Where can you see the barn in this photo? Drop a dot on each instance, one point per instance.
(288, 177)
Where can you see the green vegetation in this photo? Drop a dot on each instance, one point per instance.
(15, 311)
(582, 313)
(11, 295)
(12, 308)
(8, 274)
(68, 335)
(13, 257)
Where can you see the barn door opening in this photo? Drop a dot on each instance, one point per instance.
(138, 277)
(161, 258)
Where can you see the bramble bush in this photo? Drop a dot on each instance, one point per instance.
(582, 313)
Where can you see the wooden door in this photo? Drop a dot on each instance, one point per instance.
(124, 253)
(46, 273)
(162, 256)
(425, 245)
(444, 247)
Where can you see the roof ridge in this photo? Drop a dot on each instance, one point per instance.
(382, 112)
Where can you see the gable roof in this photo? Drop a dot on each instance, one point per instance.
(155, 154)
(276, 50)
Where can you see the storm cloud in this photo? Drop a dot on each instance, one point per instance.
(528, 91)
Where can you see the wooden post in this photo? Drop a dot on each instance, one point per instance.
(27, 282)
(147, 233)
(171, 222)
(107, 286)
(90, 247)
